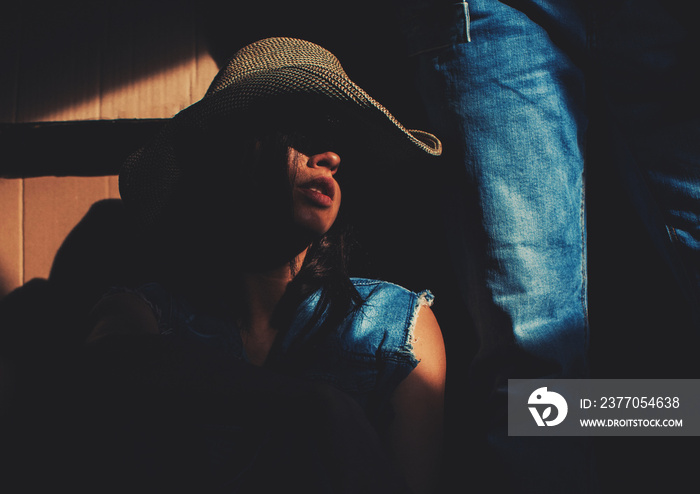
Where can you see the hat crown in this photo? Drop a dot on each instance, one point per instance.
(274, 54)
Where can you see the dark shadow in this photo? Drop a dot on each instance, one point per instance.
(641, 323)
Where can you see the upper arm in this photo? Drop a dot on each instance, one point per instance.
(122, 313)
(418, 402)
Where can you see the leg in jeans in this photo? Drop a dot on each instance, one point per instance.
(504, 87)
(646, 60)
(505, 92)
(646, 80)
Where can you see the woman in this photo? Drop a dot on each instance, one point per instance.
(240, 197)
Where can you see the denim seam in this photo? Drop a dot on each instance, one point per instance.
(584, 262)
(672, 234)
(590, 47)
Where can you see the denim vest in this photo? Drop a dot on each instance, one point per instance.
(366, 357)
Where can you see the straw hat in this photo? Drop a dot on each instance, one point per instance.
(265, 75)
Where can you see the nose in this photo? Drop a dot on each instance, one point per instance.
(329, 160)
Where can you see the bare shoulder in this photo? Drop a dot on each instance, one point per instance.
(427, 380)
(418, 402)
(428, 343)
(121, 313)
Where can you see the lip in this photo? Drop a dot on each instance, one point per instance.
(320, 191)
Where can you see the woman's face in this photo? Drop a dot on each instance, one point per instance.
(315, 191)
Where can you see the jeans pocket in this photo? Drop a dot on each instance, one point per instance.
(431, 27)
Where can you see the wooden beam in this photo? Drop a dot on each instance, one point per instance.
(84, 148)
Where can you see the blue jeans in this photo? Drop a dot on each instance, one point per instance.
(507, 88)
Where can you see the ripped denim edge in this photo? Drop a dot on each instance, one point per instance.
(424, 298)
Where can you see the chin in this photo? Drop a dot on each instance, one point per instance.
(311, 233)
(313, 225)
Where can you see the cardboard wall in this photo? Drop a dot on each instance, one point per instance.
(78, 61)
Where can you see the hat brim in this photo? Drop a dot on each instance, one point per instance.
(150, 176)
(316, 86)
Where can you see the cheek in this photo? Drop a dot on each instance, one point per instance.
(338, 203)
(333, 211)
